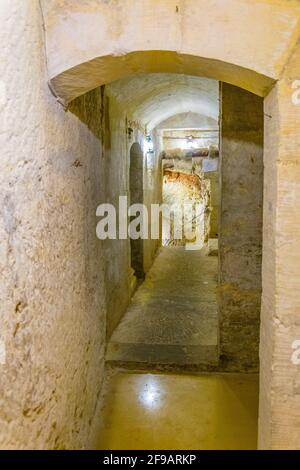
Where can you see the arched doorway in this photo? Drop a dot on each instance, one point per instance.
(136, 197)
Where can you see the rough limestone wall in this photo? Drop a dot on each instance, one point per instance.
(279, 413)
(152, 195)
(240, 243)
(52, 282)
(184, 183)
(117, 252)
(118, 272)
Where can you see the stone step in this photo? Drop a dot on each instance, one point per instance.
(163, 354)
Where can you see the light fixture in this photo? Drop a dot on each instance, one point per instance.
(129, 132)
(149, 144)
(190, 142)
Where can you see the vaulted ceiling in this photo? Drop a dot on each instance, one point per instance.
(154, 98)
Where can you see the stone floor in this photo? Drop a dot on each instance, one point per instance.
(171, 411)
(172, 319)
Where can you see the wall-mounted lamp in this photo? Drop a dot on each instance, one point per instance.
(129, 132)
(190, 142)
(149, 144)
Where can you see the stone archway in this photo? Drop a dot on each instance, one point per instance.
(94, 43)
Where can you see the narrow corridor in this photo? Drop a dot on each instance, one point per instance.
(131, 132)
(172, 319)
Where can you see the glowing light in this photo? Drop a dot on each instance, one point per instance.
(148, 146)
(190, 142)
(150, 395)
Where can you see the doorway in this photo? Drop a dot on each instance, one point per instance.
(136, 197)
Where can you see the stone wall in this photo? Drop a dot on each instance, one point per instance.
(115, 177)
(152, 195)
(52, 320)
(279, 410)
(240, 242)
(116, 173)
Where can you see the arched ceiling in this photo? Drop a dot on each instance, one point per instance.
(188, 120)
(153, 98)
(94, 42)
